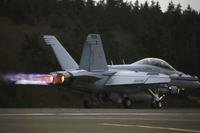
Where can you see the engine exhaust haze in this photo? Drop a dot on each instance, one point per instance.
(34, 79)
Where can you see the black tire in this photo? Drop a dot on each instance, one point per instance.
(127, 102)
(157, 105)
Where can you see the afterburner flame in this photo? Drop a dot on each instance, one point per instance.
(32, 79)
(58, 79)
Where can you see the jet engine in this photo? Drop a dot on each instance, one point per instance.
(61, 78)
(58, 79)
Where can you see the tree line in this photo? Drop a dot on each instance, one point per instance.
(130, 31)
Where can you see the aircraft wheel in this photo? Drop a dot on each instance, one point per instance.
(156, 105)
(159, 104)
(127, 103)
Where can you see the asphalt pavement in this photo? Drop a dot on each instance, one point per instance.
(99, 120)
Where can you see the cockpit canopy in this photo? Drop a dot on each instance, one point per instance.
(155, 62)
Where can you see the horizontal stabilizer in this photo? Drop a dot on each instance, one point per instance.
(65, 60)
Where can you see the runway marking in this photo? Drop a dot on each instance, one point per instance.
(150, 127)
(128, 114)
(39, 116)
(30, 114)
(98, 114)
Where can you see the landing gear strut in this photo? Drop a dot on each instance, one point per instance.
(156, 99)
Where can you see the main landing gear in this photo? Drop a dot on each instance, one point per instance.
(156, 103)
(95, 99)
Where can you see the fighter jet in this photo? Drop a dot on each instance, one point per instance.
(146, 79)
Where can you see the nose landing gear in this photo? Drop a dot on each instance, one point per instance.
(156, 99)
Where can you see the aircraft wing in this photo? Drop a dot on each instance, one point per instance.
(137, 78)
(85, 76)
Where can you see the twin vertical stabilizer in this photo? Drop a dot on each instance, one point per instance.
(93, 57)
(65, 60)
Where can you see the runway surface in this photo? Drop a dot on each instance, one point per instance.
(99, 120)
